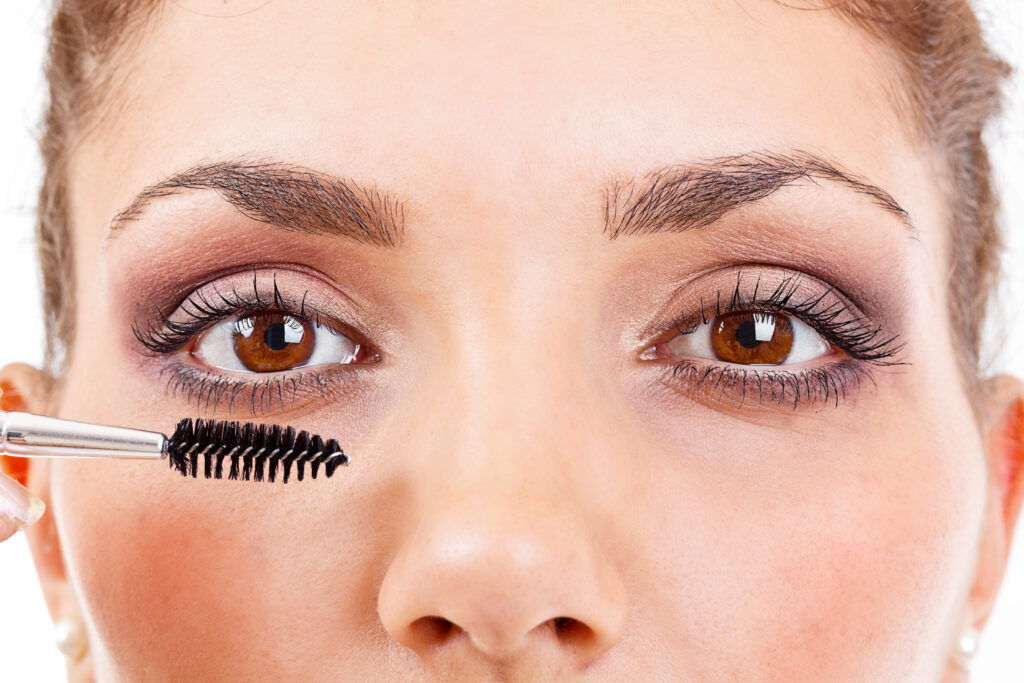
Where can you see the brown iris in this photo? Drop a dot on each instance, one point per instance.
(752, 338)
(272, 342)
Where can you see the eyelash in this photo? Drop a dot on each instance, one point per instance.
(167, 336)
(164, 336)
(865, 345)
(202, 387)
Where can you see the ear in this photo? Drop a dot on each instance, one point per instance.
(1003, 432)
(24, 388)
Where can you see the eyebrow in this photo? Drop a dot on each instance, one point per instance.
(287, 196)
(675, 198)
(691, 196)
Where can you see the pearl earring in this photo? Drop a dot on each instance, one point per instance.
(69, 636)
(967, 647)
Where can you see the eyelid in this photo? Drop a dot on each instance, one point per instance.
(722, 280)
(210, 302)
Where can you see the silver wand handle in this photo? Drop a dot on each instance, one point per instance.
(27, 435)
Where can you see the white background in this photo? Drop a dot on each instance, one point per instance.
(26, 653)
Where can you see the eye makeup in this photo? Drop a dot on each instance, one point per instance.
(258, 320)
(731, 343)
(743, 335)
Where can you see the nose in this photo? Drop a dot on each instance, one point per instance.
(505, 563)
(509, 544)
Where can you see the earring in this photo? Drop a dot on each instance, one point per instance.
(69, 636)
(967, 647)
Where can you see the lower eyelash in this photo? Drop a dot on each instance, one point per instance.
(209, 391)
(826, 384)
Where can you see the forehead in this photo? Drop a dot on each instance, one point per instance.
(487, 100)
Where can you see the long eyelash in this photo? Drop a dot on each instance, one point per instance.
(854, 335)
(166, 336)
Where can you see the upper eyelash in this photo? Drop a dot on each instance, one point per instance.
(167, 336)
(855, 336)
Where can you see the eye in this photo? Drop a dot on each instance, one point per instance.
(749, 338)
(275, 342)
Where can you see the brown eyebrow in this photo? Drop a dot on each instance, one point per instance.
(672, 199)
(690, 196)
(287, 196)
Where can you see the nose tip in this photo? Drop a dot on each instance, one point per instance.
(531, 589)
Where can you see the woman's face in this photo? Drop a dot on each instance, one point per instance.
(655, 376)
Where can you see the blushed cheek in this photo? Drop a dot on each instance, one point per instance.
(186, 576)
(158, 573)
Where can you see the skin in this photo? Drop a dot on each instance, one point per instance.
(513, 459)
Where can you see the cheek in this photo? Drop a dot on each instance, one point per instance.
(818, 558)
(187, 575)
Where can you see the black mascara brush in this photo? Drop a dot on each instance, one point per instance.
(219, 448)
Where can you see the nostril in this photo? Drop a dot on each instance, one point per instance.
(573, 632)
(432, 631)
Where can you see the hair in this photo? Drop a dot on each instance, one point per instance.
(951, 85)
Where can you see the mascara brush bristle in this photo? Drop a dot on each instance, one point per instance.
(251, 450)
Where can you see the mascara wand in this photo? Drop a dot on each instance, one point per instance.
(247, 451)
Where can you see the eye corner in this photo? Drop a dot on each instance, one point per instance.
(647, 352)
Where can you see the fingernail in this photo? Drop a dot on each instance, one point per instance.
(18, 504)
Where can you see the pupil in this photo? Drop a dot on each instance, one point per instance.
(746, 335)
(274, 338)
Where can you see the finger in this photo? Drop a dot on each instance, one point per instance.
(7, 529)
(18, 507)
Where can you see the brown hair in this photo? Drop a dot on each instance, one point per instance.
(951, 87)
(84, 37)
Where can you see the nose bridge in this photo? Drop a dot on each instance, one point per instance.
(509, 438)
(508, 476)
(511, 371)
